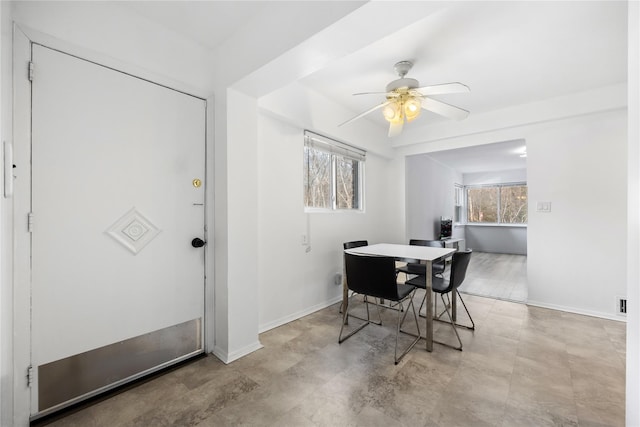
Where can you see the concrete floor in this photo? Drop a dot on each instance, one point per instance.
(522, 366)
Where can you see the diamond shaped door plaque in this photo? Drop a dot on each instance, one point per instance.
(133, 231)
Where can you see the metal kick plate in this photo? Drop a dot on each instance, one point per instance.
(68, 380)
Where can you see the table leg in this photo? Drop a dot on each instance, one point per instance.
(454, 305)
(429, 296)
(345, 293)
(454, 297)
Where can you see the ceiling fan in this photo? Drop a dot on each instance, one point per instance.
(405, 99)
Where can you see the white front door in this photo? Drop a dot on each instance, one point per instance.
(118, 172)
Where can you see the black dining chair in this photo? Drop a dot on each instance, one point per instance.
(375, 276)
(419, 269)
(350, 245)
(355, 244)
(442, 286)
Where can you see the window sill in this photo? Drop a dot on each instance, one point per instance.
(494, 225)
(333, 211)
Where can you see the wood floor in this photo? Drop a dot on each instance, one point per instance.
(522, 366)
(500, 276)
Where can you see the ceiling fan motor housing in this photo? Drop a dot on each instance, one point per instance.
(404, 82)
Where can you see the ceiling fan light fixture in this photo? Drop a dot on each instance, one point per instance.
(412, 108)
(405, 99)
(392, 112)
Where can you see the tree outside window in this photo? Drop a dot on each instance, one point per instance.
(332, 174)
(346, 183)
(317, 178)
(501, 204)
(513, 204)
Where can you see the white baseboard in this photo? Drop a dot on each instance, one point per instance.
(297, 315)
(599, 314)
(228, 357)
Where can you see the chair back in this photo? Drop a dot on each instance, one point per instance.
(372, 275)
(355, 244)
(459, 265)
(432, 243)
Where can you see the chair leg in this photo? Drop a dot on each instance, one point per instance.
(473, 325)
(407, 311)
(400, 322)
(448, 304)
(453, 325)
(368, 319)
(346, 315)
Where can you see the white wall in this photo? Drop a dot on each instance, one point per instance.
(576, 252)
(293, 281)
(430, 194)
(633, 230)
(499, 239)
(108, 33)
(239, 306)
(495, 177)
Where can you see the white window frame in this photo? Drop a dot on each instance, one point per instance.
(337, 149)
(459, 204)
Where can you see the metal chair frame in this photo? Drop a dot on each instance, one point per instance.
(418, 242)
(402, 313)
(447, 304)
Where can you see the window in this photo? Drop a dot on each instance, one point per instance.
(332, 174)
(458, 203)
(497, 204)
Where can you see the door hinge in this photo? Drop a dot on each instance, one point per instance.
(30, 222)
(30, 71)
(29, 376)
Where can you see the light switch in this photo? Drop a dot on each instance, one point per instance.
(543, 207)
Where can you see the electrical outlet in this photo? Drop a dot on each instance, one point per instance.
(621, 306)
(305, 240)
(337, 279)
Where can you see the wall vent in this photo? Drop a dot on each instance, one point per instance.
(621, 306)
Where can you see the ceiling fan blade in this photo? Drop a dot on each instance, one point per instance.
(369, 93)
(370, 110)
(443, 88)
(395, 129)
(444, 109)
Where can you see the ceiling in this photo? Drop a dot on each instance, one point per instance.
(508, 53)
(498, 156)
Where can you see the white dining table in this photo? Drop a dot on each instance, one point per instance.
(405, 253)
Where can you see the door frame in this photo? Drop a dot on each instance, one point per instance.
(20, 245)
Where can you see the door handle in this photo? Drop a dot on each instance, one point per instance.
(198, 242)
